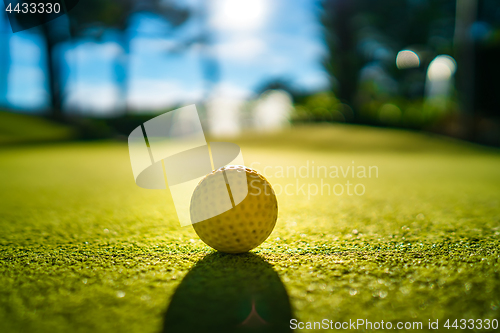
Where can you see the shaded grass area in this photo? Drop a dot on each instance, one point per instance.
(21, 129)
(84, 249)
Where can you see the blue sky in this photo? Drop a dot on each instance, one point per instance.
(253, 41)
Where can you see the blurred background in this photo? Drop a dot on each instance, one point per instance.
(259, 65)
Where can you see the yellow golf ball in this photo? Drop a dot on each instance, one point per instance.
(244, 226)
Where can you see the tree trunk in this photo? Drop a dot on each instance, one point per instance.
(464, 52)
(343, 64)
(121, 71)
(53, 75)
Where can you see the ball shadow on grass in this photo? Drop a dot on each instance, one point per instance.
(229, 293)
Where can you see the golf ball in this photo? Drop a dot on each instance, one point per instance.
(244, 226)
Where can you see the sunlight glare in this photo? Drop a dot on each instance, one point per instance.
(239, 14)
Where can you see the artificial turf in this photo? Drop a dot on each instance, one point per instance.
(83, 249)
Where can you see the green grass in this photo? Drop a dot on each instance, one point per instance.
(83, 249)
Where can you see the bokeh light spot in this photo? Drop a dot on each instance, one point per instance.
(441, 68)
(407, 59)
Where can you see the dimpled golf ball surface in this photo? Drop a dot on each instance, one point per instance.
(242, 227)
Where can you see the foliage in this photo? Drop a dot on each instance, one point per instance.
(317, 107)
(361, 32)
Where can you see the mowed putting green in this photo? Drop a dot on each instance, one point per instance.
(83, 249)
